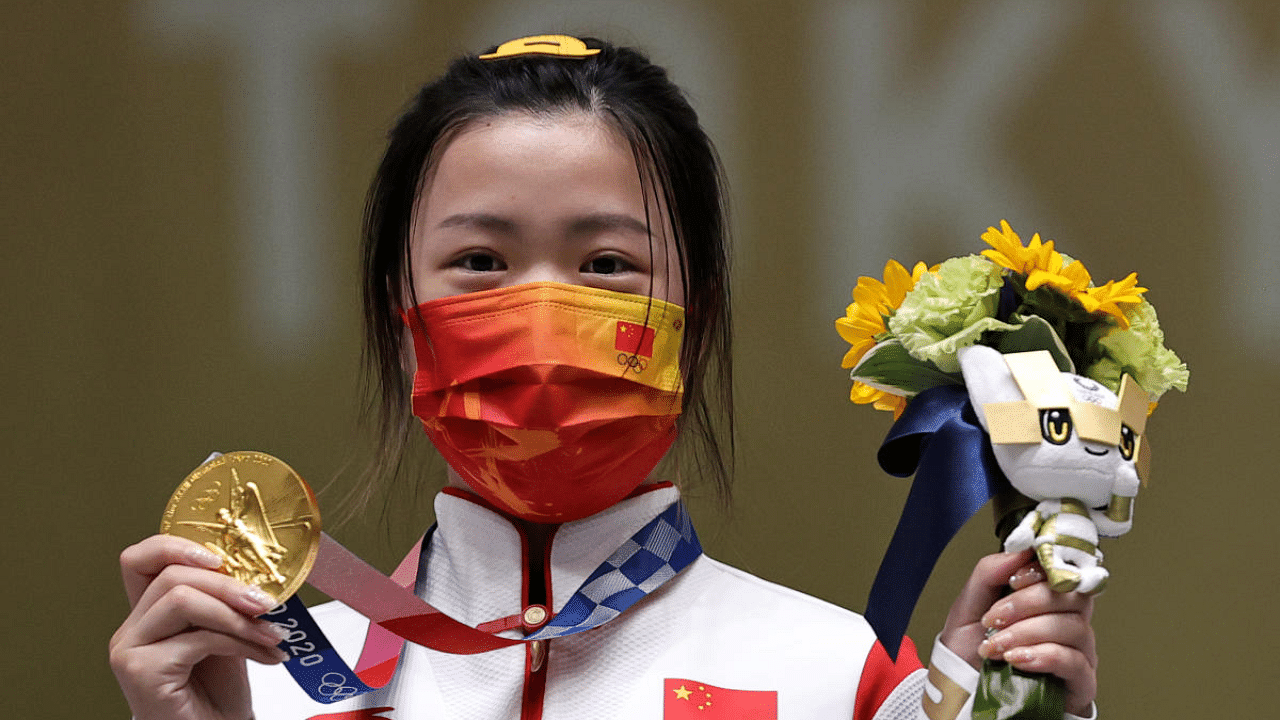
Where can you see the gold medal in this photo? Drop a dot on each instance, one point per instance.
(254, 512)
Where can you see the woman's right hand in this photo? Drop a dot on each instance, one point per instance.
(180, 655)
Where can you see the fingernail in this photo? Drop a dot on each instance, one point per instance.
(998, 616)
(204, 558)
(281, 655)
(1026, 576)
(259, 599)
(279, 632)
(1020, 656)
(994, 645)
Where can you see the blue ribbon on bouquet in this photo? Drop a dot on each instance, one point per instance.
(938, 437)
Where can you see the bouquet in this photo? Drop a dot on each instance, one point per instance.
(906, 331)
(1011, 374)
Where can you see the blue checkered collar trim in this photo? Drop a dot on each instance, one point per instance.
(473, 569)
(642, 564)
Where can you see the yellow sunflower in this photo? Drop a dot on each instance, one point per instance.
(1042, 265)
(1108, 298)
(1038, 261)
(864, 394)
(1008, 252)
(864, 318)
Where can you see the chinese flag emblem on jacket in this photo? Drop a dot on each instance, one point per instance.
(689, 699)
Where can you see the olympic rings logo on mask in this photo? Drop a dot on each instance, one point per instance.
(337, 689)
(633, 362)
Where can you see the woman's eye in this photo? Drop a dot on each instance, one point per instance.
(605, 265)
(479, 262)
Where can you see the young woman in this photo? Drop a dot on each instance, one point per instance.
(546, 288)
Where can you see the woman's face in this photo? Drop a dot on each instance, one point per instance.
(517, 199)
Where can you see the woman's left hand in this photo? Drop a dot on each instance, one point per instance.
(1035, 628)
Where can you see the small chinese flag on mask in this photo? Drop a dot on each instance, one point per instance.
(634, 339)
(688, 699)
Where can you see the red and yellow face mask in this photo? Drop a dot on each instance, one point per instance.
(552, 402)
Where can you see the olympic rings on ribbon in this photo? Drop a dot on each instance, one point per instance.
(336, 689)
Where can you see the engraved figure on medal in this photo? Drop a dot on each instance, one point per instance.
(245, 538)
(242, 532)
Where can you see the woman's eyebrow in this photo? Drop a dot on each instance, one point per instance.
(597, 222)
(484, 221)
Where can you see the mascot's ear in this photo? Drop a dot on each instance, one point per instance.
(987, 378)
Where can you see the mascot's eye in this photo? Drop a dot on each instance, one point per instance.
(1055, 425)
(1128, 441)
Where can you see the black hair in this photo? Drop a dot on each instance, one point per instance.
(676, 159)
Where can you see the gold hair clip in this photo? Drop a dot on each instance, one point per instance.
(564, 46)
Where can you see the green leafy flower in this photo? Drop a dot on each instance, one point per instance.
(949, 309)
(1140, 352)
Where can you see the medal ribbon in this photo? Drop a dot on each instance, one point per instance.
(653, 555)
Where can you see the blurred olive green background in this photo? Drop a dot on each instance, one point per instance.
(141, 293)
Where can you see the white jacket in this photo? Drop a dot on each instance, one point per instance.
(706, 633)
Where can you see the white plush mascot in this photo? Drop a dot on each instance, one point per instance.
(1067, 442)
